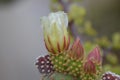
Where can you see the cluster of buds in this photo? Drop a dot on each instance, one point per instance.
(63, 57)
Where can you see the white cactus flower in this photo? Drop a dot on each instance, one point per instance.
(55, 31)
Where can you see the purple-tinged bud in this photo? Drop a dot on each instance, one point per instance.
(95, 56)
(44, 65)
(77, 50)
(89, 67)
(110, 76)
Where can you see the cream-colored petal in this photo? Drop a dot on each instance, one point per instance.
(55, 26)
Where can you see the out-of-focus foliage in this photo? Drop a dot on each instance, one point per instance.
(112, 64)
(109, 67)
(90, 37)
(103, 42)
(56, 6)
(89, 30)
(112, 59)
(77, 14)
(116, 41)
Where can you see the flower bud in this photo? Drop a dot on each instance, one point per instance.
(95, 56)
(77, 50)
(44, 64)
(110, 76)
(89, 67)
(55, 32)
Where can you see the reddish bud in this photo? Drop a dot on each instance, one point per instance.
(77, 50)
(89, 67)
(95, 56)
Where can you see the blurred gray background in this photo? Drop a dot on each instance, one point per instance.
(21, 38)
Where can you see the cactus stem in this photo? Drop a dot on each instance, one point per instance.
(56, 60)
(79, 65)
(60, 62)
